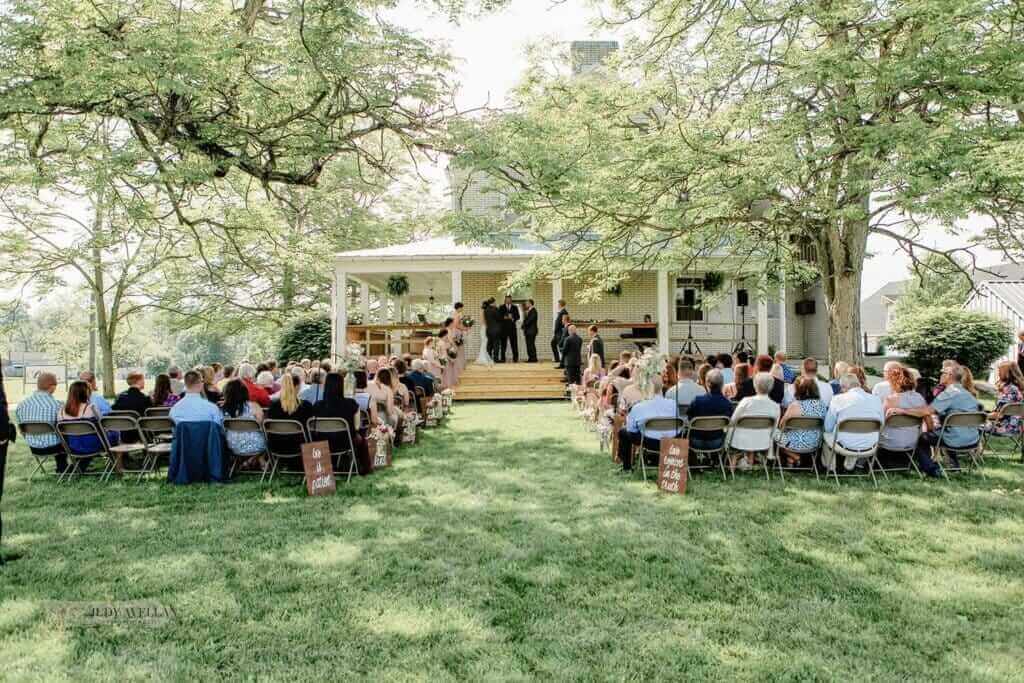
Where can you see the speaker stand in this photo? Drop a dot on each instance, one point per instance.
(690, 346)
(743, 345)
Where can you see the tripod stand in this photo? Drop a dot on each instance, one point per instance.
(743, 345)
(690, 346)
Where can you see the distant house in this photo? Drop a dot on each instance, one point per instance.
(1001, 294)
(877, 313)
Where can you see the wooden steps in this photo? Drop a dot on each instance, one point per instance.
(510, 382)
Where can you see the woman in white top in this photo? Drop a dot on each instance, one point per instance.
(381, 395)
(751, 441)
(430, 357)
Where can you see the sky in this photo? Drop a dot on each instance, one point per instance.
(490, 53)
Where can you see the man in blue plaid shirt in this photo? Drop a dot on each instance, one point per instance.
(43, 407)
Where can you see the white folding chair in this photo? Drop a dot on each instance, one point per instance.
(902, 422)
(802, 424)
(834, 450)
(754, 423)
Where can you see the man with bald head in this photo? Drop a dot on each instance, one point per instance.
(101, 404)
(41, 406)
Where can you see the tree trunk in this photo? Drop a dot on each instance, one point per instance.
(841, 260)
(103, 325)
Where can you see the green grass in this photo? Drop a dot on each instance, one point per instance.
(498, 549)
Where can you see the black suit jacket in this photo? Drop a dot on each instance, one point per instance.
(558, 324)
(776, 394)
(491, 319)
(133, 399)
(530, 323)
(572, 349)
(511, 310)
(597, 346)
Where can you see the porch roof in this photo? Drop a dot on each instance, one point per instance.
(434, 248)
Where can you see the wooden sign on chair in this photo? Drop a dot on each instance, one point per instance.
(672, 465)
(316, 461)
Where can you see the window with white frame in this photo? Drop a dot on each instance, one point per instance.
(689, 297)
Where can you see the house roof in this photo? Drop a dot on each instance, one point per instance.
(1001, 273)
(447, 247)
(1011, 292)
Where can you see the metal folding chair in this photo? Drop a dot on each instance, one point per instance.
(758, 424)
(1010, 410)
(292, 428)
(119, 424)
(244, 425)
(325, 427)
(123, 413)
(42, 429)
(837, 450)
(158, 411)
(659, 424)
(794, 424)
(896, 422)
(157, 433)
(705, 425)
(973, 419)
(84, 428)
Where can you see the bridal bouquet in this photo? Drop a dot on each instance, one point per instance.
(468, 322)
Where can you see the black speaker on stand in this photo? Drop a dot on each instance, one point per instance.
(690, 346)
(743, 300)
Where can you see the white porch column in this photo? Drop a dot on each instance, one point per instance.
(364, 302)
(783, 319)
(662, 317)
(456, 286)
(762, 325)
(340, 296)
(556, 294)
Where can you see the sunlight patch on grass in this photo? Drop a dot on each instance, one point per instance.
(325, 553)
(402, 617)
(363, 513)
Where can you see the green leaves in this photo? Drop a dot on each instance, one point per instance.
(930, 335)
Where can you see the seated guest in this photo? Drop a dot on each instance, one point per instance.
(740, 375)
(782, 371)
(77, 408)
(431, 357)
(372, 365)
(884, 388)
(382, 396)
(852, 403)
(314, 390)
(743, 357)
(1010, 385)
(288, 407)
(761, 404)
(134, 398)
(841, 368)
(686, 390)
(710, 404)
(968, 383)
(762, 363)
(265, 379)
(210, 390)
(238, 405)
(670, 372)
(420, 378)
(218, 374)
(702, 374)
(228, 375)
(335, 404)
(805, 402)
(725, 365)
(953, 399)
(903, 399)
(41, 406)
(177, 385)
(95, 397)
(162, 395)
(809, 370)
(256, 393)
(629, 391)
(594, 372)
(193, 406)
(402, 396)
(402, 372)
(654, 406)
(362, 397)
(858, 372)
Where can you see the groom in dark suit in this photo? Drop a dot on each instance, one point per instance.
(493, 328)
(559, 332)
(509, 315)
(530, 331)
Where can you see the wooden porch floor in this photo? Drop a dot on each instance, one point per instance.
(510, 382)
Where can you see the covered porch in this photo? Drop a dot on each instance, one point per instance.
(438, 273)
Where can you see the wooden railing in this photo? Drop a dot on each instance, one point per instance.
(398, 338)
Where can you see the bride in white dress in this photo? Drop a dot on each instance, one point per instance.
(483, 358)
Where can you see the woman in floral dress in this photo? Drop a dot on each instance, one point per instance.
(1010, 384)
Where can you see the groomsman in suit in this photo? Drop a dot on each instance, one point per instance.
(596, 345)
(492, 325)
(572, 349)
(556, 338)
(509, 314)
(530, 331)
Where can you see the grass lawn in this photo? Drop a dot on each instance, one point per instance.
(504, 546)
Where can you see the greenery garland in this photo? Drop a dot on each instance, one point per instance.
(713, 281)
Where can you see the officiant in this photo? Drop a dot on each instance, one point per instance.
(509, 315)
(492, 326)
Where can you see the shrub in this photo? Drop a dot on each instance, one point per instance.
(930, 335)
(306, 338)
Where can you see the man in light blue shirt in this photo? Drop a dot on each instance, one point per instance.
(313, 392)
(97, 400)
(955, 399)
(853, 403)
(194, 407)
(686, 390)
(630, 435)
(41, 406)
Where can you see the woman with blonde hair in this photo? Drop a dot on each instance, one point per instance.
(430, 357)
(594, 372)
(288, 406)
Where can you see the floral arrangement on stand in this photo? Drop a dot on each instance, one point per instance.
(447, 396)
(384, 432)
(351, 359)
(648, 367)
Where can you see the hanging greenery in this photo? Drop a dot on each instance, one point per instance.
(614, 290)
(398, 285)
(713, 281)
